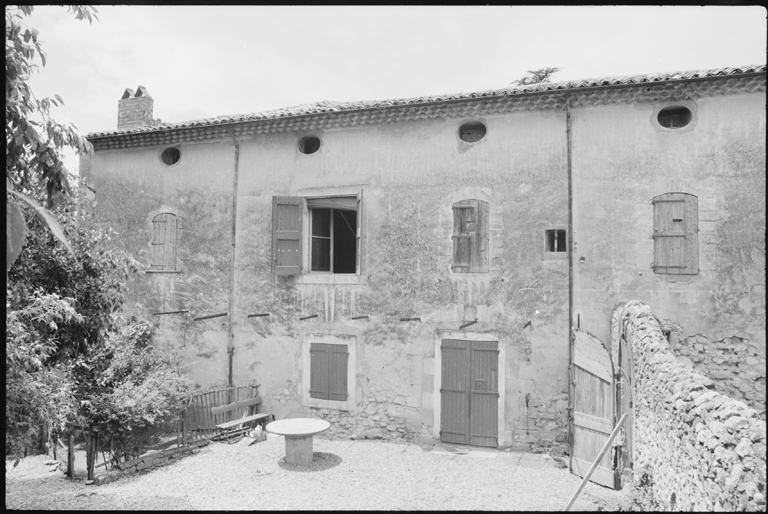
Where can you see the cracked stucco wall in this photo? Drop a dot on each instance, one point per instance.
(621, 161)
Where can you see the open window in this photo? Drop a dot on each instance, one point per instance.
(676, 234)
(332, 234)
(165, 231)
(470, 236)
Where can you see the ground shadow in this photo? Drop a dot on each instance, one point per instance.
(320, 462)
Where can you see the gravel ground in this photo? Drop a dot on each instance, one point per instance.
(346, 475)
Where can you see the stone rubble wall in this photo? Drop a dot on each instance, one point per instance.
(148, 461)
(694, 448)
(379, 416)
(733, 363)
(546, 428)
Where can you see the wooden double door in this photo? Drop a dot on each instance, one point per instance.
(469, 395)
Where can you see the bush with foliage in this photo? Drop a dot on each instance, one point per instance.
(36, 392)
(65, 328)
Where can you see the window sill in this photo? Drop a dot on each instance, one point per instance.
(317, 403)
(162, 271)
(330, 278)
(554, 256)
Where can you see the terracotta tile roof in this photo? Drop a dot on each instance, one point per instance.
(325, 107)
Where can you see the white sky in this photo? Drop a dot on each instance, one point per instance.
(206, 61)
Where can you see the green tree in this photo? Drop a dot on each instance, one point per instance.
(539, 76)
(33, 167)
(70, 356)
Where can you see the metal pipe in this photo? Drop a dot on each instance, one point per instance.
(258, 315)
(231, 334)
(569, 171)
(211, 316)
(170, 312)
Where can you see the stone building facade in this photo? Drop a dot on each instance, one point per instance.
(369, 262)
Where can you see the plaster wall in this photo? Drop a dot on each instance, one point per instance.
(622, 159)
(410, 176)
(132, 186)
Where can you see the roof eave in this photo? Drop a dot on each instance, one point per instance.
(564, 91)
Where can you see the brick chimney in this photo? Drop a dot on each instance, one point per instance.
(134, 111)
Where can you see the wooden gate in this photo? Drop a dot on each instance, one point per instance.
(469, 393)
(592, 404)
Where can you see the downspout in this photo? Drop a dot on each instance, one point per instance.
(569, 170)
(231, 335)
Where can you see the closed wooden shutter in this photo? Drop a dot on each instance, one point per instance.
(337, 379)
(164, 235)
(319, 372)
(675, 234)
(328, 371)
(359, 232)
(470, 236)
(286, 234)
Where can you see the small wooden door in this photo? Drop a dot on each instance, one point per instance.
(469, 393)
(592, 404)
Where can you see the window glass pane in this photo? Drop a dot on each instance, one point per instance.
(344, 241)
(556, 241)
(321, 222)
(321, 254)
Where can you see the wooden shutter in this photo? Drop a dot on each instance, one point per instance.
(164, 232)
(359, 229)
(328, 371)
(470, 236)
(337, 376)
(286, 234)
(675, 234)
(319, 358)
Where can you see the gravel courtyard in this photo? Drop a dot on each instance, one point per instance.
(346, 475)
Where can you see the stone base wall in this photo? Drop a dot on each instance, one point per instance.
(547, 425)
(378, 416)
(694, 448)
(734, 364)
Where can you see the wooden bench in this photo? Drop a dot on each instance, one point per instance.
(243, 412)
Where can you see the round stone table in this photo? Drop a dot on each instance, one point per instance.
(298, 434)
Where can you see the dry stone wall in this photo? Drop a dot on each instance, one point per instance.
(694, 448)
(379, 415)
(734, 364)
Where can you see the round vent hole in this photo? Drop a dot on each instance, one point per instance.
(309, 144)
(171, 156)
(472, 132)
(674, 117)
